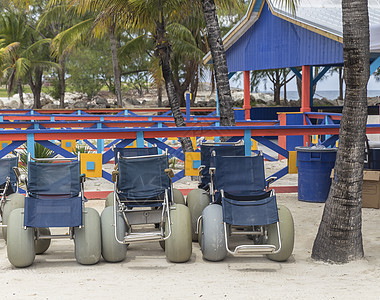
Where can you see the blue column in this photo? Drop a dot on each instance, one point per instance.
(188, 99)
(159, 125)
(247, 142)
(140, 139)
(30, 144)
(100, 142)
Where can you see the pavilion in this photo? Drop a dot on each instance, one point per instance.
(271, 37)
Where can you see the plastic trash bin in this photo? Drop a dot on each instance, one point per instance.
(314, 170)
(373, 155)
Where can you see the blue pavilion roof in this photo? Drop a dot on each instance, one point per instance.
(269, 37)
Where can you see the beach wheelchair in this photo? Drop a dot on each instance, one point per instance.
(143, 196)
(54, 198)
(140, 151)
(199, 198)
(244, 206)
(10, 198)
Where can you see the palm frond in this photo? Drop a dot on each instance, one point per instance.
(22, 67)
(53, 14)
(290, 5)
(68, 39)
(134, 47)
(7, 51)
(31, 50)
(180, 32)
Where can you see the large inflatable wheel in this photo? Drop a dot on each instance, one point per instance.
(41, 246)
(112, 250)
(178, 197)
(197, 200)
(12, 202)
(178, 245)
(20, 241)
(88, 238)
(286, 232)
(109, 200)
(213, 240)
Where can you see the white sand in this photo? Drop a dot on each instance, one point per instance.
(146, 274)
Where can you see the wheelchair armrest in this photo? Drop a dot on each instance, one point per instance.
(115, 175)
(82, 177)
(270, 180)
(169, 172)
(17, 172)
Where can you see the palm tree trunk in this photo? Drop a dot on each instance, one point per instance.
(163, 51)
(339, 237)
(159, 94)
(36, 87)
(62, 82)
(115, 64)
(20, 94)
(227, 116)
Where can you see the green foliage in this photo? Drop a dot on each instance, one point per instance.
(172, 162)
(39, 152)
(54, 89)
(90, 68)
(80, 149)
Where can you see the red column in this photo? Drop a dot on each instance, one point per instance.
(305, 101)
(247, 96)
(282, 138)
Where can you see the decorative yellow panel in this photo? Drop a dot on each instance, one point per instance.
(254, 145)
(133, 145)
(91, 164)
(3, 144)
(192, 163)
(292, 162)
(68, 145)
(194, 142)
(315, 139)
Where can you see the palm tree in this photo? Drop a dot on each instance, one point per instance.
(54, 20)
(339, 237)
(23, 55)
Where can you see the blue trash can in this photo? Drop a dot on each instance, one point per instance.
(314, 170)
(373, 155)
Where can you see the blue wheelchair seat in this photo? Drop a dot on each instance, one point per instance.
(53, 195)
(142, 180)
(240, 181)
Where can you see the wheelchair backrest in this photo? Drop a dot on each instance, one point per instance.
(130, 152)
(238, 174)
(143, 177)
(54, 179)
(220, 150)
(6, 165)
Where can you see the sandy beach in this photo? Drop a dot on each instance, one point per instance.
(146, 274)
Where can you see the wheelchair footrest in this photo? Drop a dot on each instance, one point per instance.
(143, 237)
(253, 250)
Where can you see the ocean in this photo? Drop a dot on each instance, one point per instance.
(331, 95)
